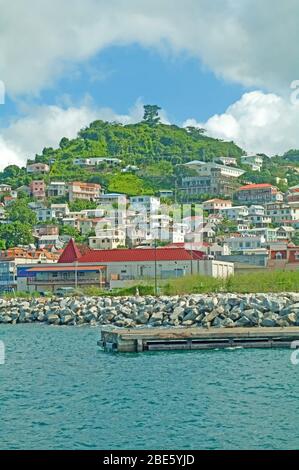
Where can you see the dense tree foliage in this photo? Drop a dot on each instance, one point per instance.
(19, 211)
(15, 233)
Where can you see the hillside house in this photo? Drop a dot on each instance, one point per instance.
(258, 194)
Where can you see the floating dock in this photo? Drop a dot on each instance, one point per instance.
(178, 338)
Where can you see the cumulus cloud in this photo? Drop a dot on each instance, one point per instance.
(259, 122)
(44, 126)
(249, 42)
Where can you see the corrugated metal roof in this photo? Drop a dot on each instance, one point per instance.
(137, 255)
(256, 186)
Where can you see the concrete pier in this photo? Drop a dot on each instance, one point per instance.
(162, 339)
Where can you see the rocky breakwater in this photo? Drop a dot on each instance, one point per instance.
(207, 311)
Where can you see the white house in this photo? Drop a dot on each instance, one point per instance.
(149, 203)
(254, 161)
(107, 239)
(235, 212)
(243, 243)
(57, 188)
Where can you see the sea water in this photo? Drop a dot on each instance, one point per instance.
(59, 391)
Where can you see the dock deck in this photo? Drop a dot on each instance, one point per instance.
(178, 338)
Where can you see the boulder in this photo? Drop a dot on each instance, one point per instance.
(269, 322)
(53, 318)
(243, 321)
(156, 316)
(178, 313)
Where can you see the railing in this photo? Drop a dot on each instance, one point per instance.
(66, 281)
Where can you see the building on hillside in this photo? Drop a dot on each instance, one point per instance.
(86, 191)
(113, 199)
(254, 161)
(285, 233)
(215, 205)
(212, 178)
(94, 161)
(49, 241)
(235, 213)
(44, 214)
(166, 193)
(150, 204)
(5, 189)
(241, 243)
(270, 234)
(257, 216)
(292, 194)
(258, 194)
(130, 169)
(38, 189)
(60, 211)
(46, 229)
(108, 239)
(228, 161)
(37, 168)
(57, 189)
(216, 250)
(281, 212)
(208, 168)
(93, 213)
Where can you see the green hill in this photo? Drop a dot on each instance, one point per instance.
(157, 150)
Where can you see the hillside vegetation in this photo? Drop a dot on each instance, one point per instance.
(157, 150)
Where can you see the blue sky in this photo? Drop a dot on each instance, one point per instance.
(118, 76)
(224, 65)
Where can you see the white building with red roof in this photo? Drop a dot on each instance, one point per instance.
(81, 266)
(258, 194)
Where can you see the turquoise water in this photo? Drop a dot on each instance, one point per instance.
(58, 391)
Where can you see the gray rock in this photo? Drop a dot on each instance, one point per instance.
(269, 322)
(156, 316)
(178, 313)
(243, 321)
(53, 318)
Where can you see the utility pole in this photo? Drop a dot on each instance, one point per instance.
(156, 283)
(76, 274)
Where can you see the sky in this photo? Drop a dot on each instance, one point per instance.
(225, 65)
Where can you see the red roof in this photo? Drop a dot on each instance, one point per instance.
(71, 253)
(256, 186)
(139, 255)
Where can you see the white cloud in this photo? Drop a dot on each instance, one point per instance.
(44, 126)
(258, 122)
(252, 42)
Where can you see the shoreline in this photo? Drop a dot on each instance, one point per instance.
(205, 311)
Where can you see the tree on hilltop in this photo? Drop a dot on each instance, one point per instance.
(151, 114)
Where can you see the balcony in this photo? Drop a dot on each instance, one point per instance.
(66, 282)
